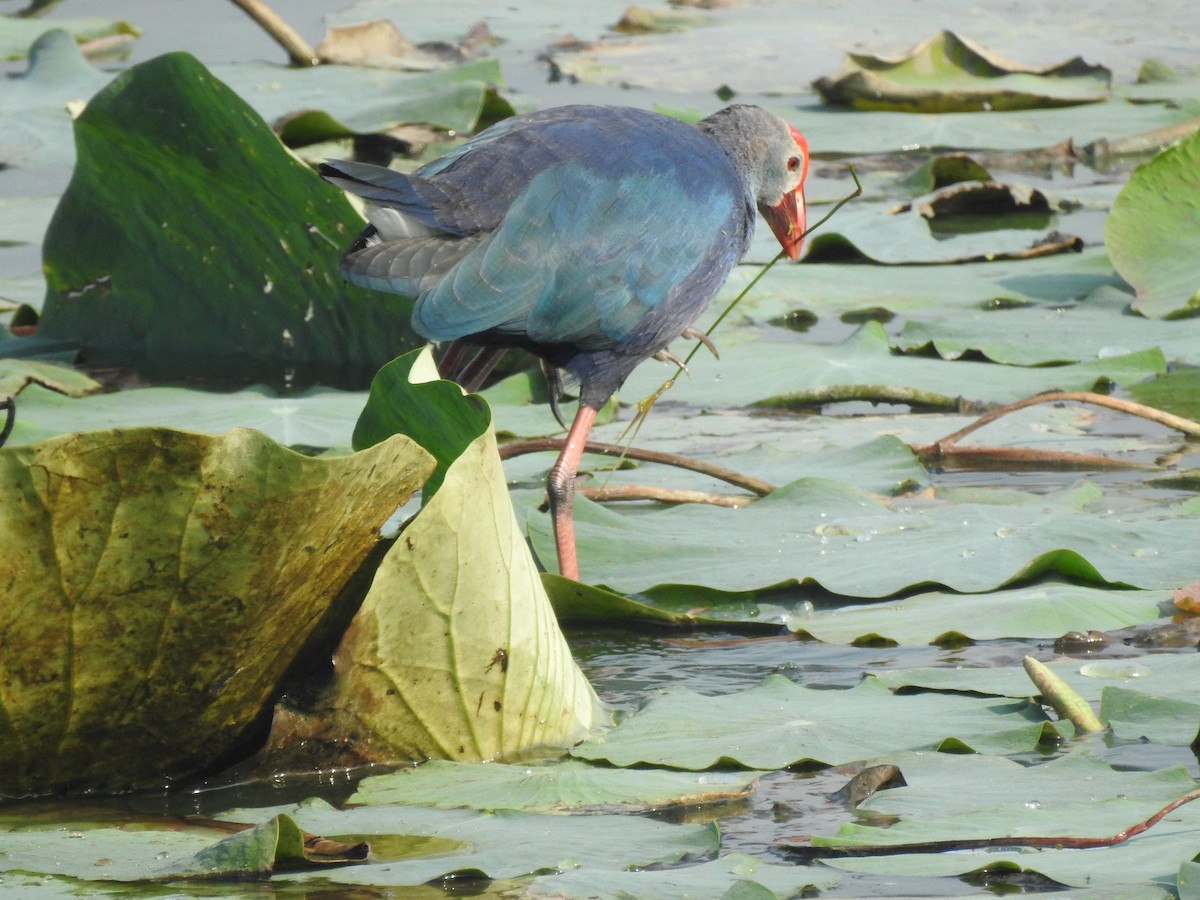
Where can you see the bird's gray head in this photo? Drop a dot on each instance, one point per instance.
(772, 158)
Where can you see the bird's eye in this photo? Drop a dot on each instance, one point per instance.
(794, 164)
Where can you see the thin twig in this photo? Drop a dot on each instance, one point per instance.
(1187, 426)
(939, 454)
(298, 49)
(9, 405)
(746, 482)
(630, 492)
(1049, 843)
(857, 192)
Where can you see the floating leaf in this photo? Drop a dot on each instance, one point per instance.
(316, 418)
(36, 127)
(1150, 232)
(159, 584)
(454, 100)
(1041, 611)
(952, 798)
(864, 367)
(735, 876)
(16, 375)
(912, 237)
(860, 545)
(569, 786)
(16, 34)
(1101, 326)
(948, 73)
(501, 844)
(780, 724)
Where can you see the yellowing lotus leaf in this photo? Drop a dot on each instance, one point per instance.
(456, 653)
(155, 585)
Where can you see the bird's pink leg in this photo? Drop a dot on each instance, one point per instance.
(560, 488)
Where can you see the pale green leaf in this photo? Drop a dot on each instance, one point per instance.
(1150, 233)
(567, 786)
(780, 724)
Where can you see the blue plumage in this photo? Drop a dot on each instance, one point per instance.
(590, 235)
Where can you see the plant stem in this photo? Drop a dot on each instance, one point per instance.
(298, 49)
(747, 482)
(807, 851)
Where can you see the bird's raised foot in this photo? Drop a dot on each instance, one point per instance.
(665, 355)
(703, 338)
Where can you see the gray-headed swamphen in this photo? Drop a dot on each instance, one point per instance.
(591, 236)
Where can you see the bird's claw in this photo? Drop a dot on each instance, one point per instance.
(703, 338)
(665, 355)
(553, 390)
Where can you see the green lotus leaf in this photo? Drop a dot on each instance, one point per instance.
(567, 786)
(16, 34)
(1150, 232)
(948, 73)
(778, 724)
(167, 252)
(958, 797)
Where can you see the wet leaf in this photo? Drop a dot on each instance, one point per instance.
(1041, 611)
(957, 797)
(859, 545)
(17, 374)
(277, 845)
(1149, 233)
(948, 73)
(16, 34)
(166, 581)
(724, 877)
(501, 844)
(568, 786)
(646, 20)
(780, 724)
(1175, 392)
(407, 397)
(138, 234)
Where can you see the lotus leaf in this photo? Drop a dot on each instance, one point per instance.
(158, 584)
(948, 73)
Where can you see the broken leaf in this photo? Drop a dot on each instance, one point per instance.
(948, 73)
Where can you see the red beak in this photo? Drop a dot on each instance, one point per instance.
(787, 221)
